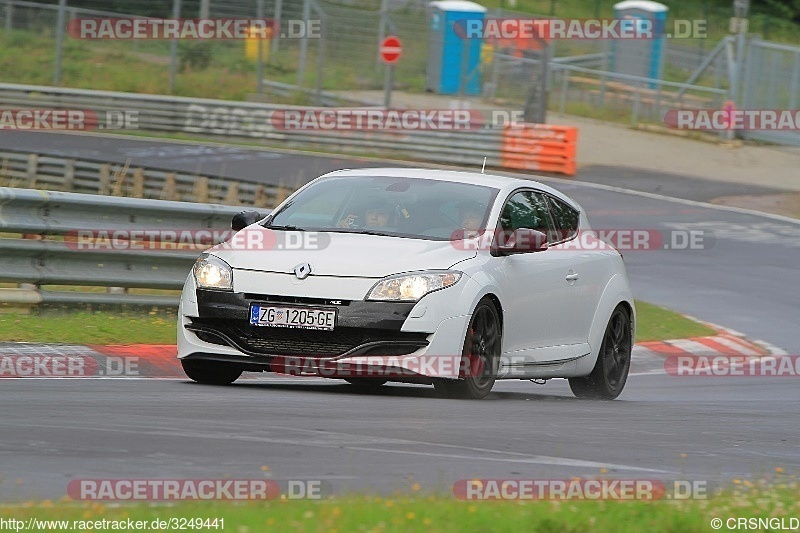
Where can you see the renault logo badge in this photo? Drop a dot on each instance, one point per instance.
(302, 270)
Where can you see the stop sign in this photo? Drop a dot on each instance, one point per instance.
(391, 50)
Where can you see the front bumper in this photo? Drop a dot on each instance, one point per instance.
(398, 341)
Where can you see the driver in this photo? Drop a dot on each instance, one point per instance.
(375, 216)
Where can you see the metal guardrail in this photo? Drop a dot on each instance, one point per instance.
(254, 120)
(37, 171)
(42, 254)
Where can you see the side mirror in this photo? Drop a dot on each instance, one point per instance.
(522, 240)
(243, 219)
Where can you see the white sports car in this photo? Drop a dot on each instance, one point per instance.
(454, 279)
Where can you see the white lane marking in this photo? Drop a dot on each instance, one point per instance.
(340, 441)
(536, 459)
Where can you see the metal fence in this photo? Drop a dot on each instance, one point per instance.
(575, 89)
(36, 250)
(344, 60)
(772, 81)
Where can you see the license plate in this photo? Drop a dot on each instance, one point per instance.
(292, 317)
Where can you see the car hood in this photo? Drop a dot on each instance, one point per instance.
(341, 254)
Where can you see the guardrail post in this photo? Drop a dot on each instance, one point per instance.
(33, 166)
(260, 197)
(138, 183)
(170, 191)
(104, 176)
(232, 197)
(201, 190)
(69, 174)
(4, 171)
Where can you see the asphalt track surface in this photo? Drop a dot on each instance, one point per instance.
(662, 427)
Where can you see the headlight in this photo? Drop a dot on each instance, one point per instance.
(213, 273)
(412, 287)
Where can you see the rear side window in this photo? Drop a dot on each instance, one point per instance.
(565, 219)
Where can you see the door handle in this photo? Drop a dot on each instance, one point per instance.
(571, 277)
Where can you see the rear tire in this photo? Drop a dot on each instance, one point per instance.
(613, 361)
(211, 372)
(480, 356)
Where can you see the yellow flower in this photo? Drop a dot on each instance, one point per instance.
(415, 487)
(410, 516)
(779, 470)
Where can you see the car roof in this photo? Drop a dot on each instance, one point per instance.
(504, 183)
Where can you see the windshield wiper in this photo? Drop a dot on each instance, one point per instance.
(361, 232)
(287, 227)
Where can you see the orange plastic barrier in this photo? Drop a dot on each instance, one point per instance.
(542, 147)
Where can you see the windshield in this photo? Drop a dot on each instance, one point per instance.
(394, 206)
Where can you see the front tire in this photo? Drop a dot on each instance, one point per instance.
(210, 372)
(613, 362)
(480, 356)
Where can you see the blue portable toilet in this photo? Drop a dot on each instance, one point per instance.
(640, 57)
(453, 60)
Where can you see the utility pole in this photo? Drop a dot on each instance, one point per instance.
(740, 10)
(60, 22)
(173, 48)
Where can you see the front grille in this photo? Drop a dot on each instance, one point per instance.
(294, 299)
(304, 342)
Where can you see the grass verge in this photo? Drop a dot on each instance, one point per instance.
(767, 501)
(90, 327)
(158, 327)
(656, 323)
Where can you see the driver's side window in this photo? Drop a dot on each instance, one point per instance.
(526, 209)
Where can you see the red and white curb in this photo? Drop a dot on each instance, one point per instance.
(649, 357)
(159, 361)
